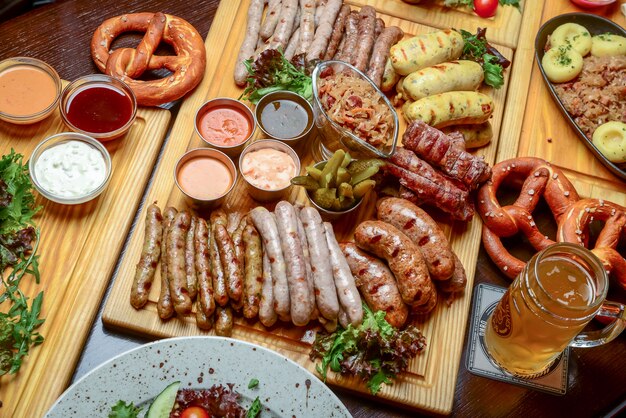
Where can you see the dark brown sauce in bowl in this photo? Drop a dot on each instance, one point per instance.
(285, 119)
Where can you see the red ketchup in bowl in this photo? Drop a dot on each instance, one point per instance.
(99, 108)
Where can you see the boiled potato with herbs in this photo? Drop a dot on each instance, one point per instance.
(608, 44)
(610, 139)
(574, 35)
(562, 64)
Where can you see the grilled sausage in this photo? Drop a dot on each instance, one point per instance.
(190, 259)
(299, 297)
(325, 291)
(423, 231)
(239, 223)
(366, 38)
(230, 264)
(202, 321)
(206, 301)
(285, 25)
(324, 30)
(342, 318)
(307, 25)
(336, 34)
(271, 18)
(220, 289)
(176, 267)
(380, 26)
(380, 53)
(253, 278)
(224, 321)
(451, 108)
(403, 257)
(456, 283)
(292, 46)
(350, 38)
(144, 275)
(255, 13)
(265, 223)
(164, 304)
(348, 295)
(267, 315)
(425, 50)
(377, 284)
(428, 306)
(458, 75)
(307, 262)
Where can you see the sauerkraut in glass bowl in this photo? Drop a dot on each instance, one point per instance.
(351, 113)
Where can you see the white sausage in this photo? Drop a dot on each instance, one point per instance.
(255, 12)
(324, 29)
(271, 19)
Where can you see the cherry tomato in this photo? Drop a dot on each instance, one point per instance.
(485, 8)
(194, 412)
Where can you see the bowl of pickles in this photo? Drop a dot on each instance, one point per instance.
(338, 185)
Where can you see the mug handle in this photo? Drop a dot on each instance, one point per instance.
(612, 310)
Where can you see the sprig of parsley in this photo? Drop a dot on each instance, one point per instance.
(476, 48)
(123, 410)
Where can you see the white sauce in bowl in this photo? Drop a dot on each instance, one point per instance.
(70, 169)
(268, 168)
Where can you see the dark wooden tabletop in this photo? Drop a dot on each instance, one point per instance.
(59, 33)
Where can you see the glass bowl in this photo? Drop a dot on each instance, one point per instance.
(332, 135)
(41, 180)
(22, 117)
(87, 82)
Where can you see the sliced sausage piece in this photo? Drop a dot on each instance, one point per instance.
(348, 295)
(165, 308)
(267, 315)
(324, 30)
(325, 291)
(230, 264)
(253, 278)
(377, 284)
(265, 223)
(403, 257)
(224, 321)
(299, 297)
(423, 231)
(365, 41)
(150, 254)
(176, 268)
(271, 18)
(205, 302)
(255, 13)
(220, 289)
(307, 25)
(337, 33)
(380, 53)
(190, 259)
(350, 38)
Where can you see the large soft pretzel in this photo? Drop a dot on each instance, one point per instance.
(574, 227)
(538, 179)
(129, 64)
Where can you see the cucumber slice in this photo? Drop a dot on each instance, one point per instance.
(164, 402)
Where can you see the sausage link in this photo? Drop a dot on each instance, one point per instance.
(267, 315)
(307, 25)
(220, 291)
(224, 321)
(323, 31)
(351, 38)
(347, 292)
(457, 282)
(176, 267)
(230, 263)
(403, 257)
(337, 33)
(285, 26)
(377, 285)
(253, 278)
(380, 26)
(428, 306)
(271, 19)
(365, 41)
(423, 231)
(239, 223)
(307, 263)
(190, 259)
(164, 304)
(380, 53)
(265, 223)
(144, 275)
(342, 318)
(203, 269)
(202, 321)
(325, 291)
(255, 14)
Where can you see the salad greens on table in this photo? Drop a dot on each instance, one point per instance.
(476, 48)
(18, 258)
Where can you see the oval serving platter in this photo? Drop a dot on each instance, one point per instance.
(595, 25)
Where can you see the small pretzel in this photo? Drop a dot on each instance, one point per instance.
(129, 64)
(574, 227)
(539, 179)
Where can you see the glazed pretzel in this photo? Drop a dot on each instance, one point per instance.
(129, 64)
(539, 179)
(574, 227)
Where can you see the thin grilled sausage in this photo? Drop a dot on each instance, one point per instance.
(265, 223)
(377, 284)
(348, 294)
(220, 290)
(255, 14)
(190, 259)
(164, 305)
(325, 291)
(176, 267)
(236, 232)
(423, 231)
(292, 46)
(365, 42)
(267, 315)
(403, 257)
(202, 321)
(307, 25)
(206, 301)
(324, 30)
(307, 262)
(351, 37)
(337, 33)
(271, 19)
(230, 263)
(380, 53)
(144, 275)
(285, 26)
(224, 321)
(253, 278)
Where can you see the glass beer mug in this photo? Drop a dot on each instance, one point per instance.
(546, 307)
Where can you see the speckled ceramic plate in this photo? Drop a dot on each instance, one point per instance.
(285, 389)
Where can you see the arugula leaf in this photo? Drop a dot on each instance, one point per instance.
(123, 410)
(493, 71)
(476, 48)
(255, 409)
(253, 383)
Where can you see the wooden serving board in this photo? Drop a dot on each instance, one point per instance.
(431, 380)
(78, 251)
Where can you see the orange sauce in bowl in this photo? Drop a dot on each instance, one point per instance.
(26, 90)
(204, 178)
(224, 126)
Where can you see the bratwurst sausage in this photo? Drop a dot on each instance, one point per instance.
(206, 303)
(380, 53)
(253, 271)
(255, 13)
(176, 263)
(336, 34)
(220, 288)
(367, 27)
(149, 257)
(164, 305)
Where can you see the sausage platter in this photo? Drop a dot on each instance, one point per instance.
(431, 380)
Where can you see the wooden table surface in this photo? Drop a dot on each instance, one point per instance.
(59, 34)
